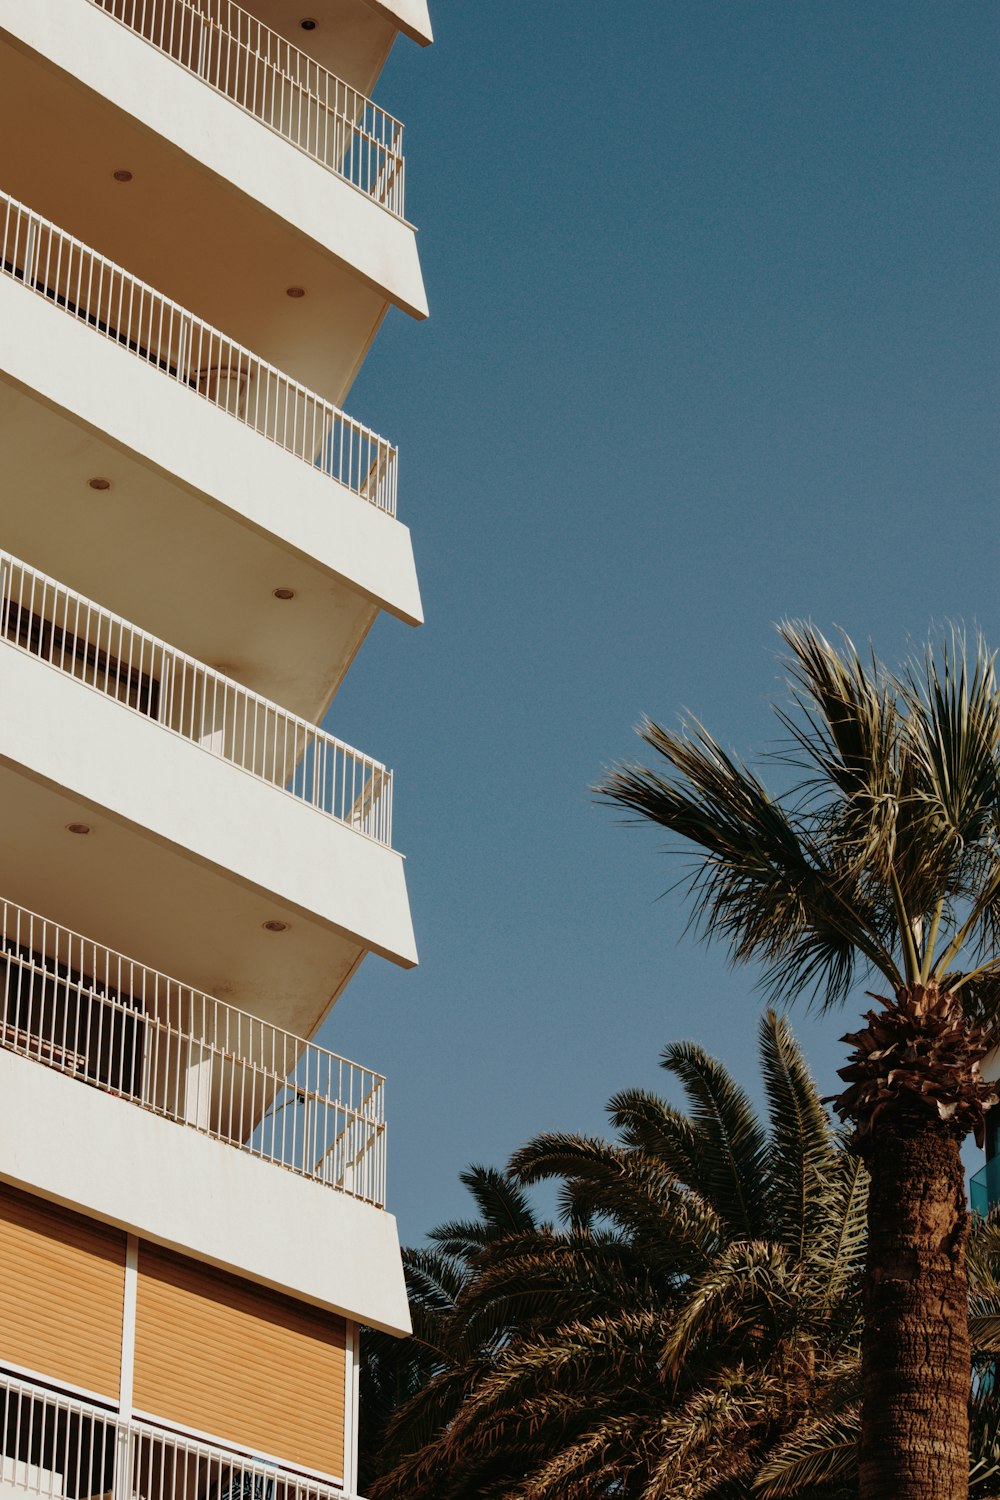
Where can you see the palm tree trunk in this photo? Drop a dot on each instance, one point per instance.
(915, 1348)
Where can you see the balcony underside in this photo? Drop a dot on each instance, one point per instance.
(222, 215)
(227, 516)
(352, 37)
(196, 1195)
(411, 16)
(187, 857)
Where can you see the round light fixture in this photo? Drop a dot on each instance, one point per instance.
(99, 484)
(77, 827)
(122, 175)
(274, 926)
(295, 292)
(283, 593)
(308, 24)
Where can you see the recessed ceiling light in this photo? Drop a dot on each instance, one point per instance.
(122, 175)
(284, 593)
(295, 291)
(308, 24)
(77, 827)
(99, 484)
(275, 926)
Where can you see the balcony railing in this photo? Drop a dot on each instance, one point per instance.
(131, 314)
(279, 85)
(76, 636)
(56, 1446)
(96, 1016)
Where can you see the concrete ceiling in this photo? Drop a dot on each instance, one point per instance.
(350, 38)
(186, 232)
(198, 924)
(163, 558)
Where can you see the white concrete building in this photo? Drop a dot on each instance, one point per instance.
(202, 226)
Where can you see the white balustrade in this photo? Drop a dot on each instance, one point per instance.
(187, 698)
(112, 1023)
(52, 1444)
(278, 84)
(95, 291)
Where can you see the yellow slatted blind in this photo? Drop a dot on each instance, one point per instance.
(63, 1279)
(238, 1362)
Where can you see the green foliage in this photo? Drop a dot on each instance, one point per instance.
(696, 1304)
(887, 850)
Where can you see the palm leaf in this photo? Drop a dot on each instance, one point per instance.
(733, 1141)
(819, 1452)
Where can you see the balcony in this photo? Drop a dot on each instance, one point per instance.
(284, 88)
(202, 199)
(230, 515)
(58, 1447)
(186, 698)
(185, 349)
(162, 806)
(93, 1015)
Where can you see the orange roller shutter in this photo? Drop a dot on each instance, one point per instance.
(245, 1365)
(63, 1282)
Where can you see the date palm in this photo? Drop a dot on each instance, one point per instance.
(697, 1303)
(416, 1385)
(883, 860)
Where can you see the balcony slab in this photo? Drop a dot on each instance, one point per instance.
(227, 514)
(221, 214)
(188, 856)
(87, 1150)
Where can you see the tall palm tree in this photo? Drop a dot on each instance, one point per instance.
(884, 860)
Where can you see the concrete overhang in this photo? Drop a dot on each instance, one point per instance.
(411, 16)
(221, 214)
(108, 1158)
(188, 856)
(226, 514)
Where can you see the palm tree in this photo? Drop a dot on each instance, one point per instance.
(425, 1376)
(884, 860)
(698, 1304)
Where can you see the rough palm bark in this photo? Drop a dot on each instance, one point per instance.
(915, 1091)
(915, 1347)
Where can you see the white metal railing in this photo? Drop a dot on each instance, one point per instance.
(278, 84)
(108, 1021)
(55, 1445)
(75, 635)
(158, 331)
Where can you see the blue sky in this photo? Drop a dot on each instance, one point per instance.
(713, 341)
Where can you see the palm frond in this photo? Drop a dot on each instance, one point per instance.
(803, 1155)
(760, 882)
(647, 1123)
(819, 1452)
(733, 1141)
(749, 1286)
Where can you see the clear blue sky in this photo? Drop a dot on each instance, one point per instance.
(713, 341)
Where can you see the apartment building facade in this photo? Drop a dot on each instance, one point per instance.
(202, 226)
